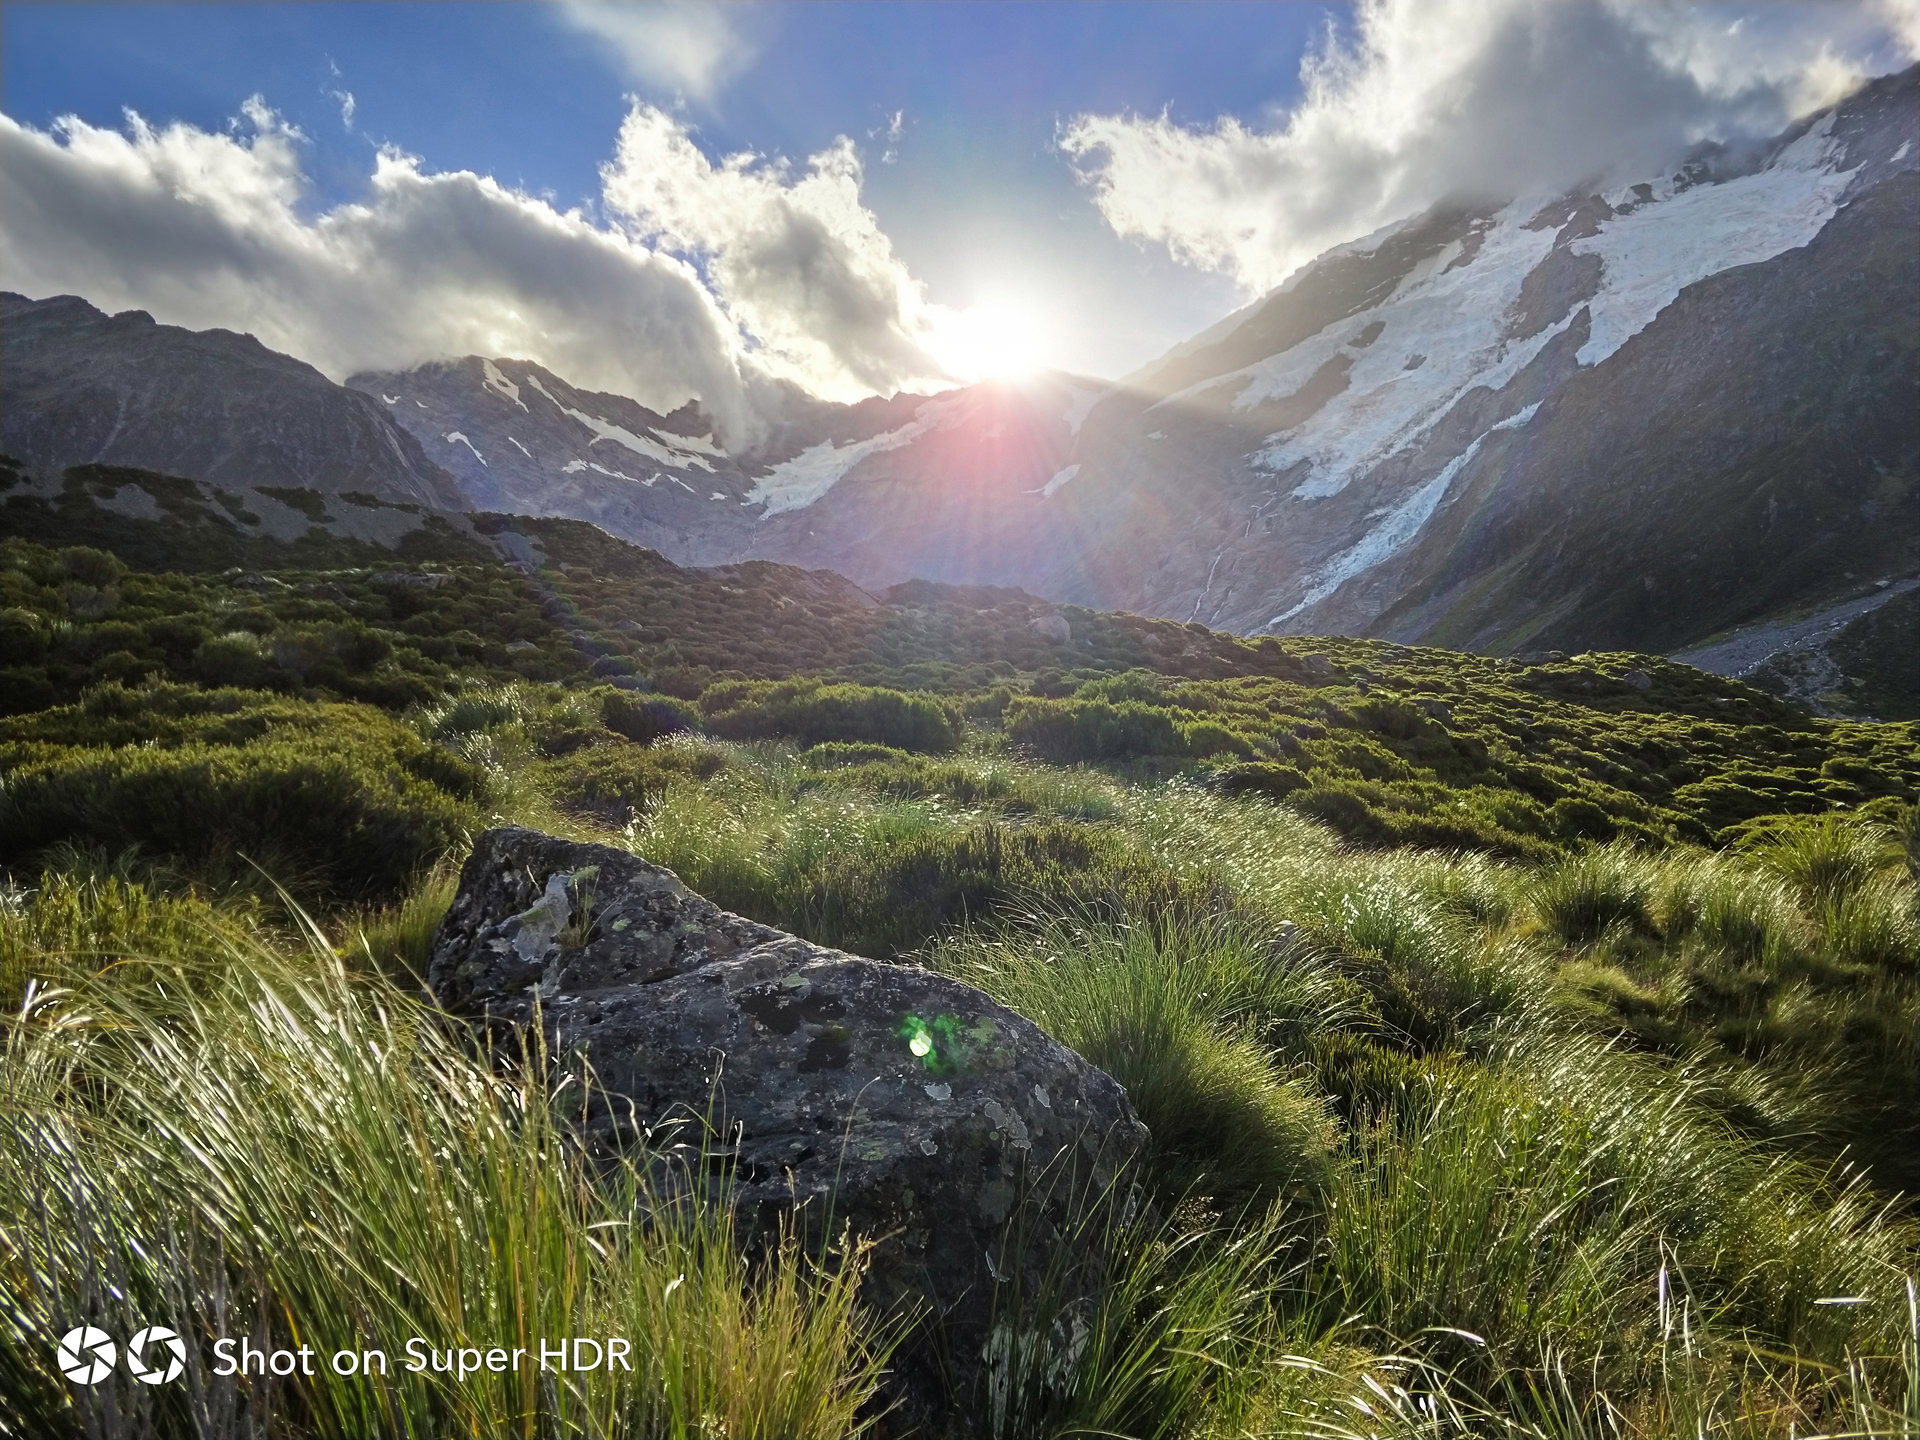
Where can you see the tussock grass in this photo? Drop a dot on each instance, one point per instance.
(1617, 1144)
(1195, 1019)
(1594, 891)
(239, 1139)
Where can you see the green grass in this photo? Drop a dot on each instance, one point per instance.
(396, 1185)
(1526, 1053)
(1194, 1018)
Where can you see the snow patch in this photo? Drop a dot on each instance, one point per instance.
(1060, 477)
(1656, 251)
(395, 399)
(1457, 319)
(1080, 403)
(455, 437)
(523, 449)
(573, 467)
(1518, 419)
(1901, 153)
(796, 483)
(1157, 435)
(640, 444)
(718, 495)
(705, 444)
(500, 384)
(1400, 527)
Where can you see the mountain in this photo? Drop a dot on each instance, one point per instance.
(1680, 415)
(80, 387)
(1638, 417)
(1642, 417)
(518, 438)
(948, 487)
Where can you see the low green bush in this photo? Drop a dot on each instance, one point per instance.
(332, 800)
(645, 718)
(811, 713)
(616, 782)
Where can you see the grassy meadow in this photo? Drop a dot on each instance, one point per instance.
(1529, 1051)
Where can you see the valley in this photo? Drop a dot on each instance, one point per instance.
(1361, 879)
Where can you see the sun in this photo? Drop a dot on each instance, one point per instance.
(992, 340)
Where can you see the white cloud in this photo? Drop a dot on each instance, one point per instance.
(1432, 100)
(794, 256)
(215, 229)
(693, 49)
(1903, 19)
(347, 106)
(896, 123)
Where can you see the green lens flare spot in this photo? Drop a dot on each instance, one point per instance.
(919, 1036)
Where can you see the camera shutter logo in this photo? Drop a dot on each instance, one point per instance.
(86, 1355)
(172, 1357)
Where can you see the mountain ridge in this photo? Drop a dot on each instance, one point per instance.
(1632, 418)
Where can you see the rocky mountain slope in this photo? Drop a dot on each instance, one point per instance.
(1639, 417)
(948, 487)
(1642, 418)
(79, 387)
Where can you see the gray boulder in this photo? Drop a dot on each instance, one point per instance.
(1052, 626)
(915, 1108)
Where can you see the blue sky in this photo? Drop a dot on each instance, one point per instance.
(682, 199)
(977, 196)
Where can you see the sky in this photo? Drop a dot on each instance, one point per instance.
(674, 199)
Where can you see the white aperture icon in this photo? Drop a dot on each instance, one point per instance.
(167, 1365)
(85, 1355)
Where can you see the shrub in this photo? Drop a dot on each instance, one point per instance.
(615, 782)
(330, 800)
(1066, 731)
(477, 709)
(811, 714)
(1573, 818)
(92, 567)
(240, 660)
(1274, 781)
(645, 718)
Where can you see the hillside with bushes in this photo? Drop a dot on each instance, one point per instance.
(1529, 1049)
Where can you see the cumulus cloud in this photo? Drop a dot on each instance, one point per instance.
(794, 256)
(693, 49)
(213, 229)
(1473, 98)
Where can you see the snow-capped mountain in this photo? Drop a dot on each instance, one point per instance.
(1632, 418)
(520, 439)
(945, 487)
(1623, 418)
(1638, 418)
